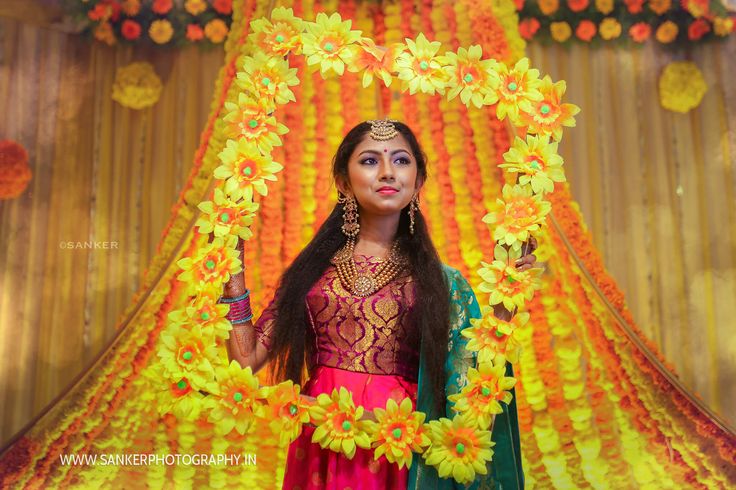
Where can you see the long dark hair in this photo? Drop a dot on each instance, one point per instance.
(293, 342)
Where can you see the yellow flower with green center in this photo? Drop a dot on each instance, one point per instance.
(538, 162)
(286, 410)
(330, 43)
(238, 400)
(398, 432)
(459, 450)
(224, 216)
(518, 88)
(249, 119)
(339, 427)
(205, 312)
(421, 69)
(490, 336)
(487, 385)
(189, 353)
(519, 213)
(245, 168)
(506, 285)
(211, 267)
(173, 395)
(475, 80)
(268, 77)
(375, 61)
(280, 35)
(548, 115)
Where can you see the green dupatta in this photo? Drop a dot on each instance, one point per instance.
(504, 471)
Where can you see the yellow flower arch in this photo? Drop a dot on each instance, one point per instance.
(192, 363)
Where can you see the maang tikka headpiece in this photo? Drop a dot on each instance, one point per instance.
(383, 129)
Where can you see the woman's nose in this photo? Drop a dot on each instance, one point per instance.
(387, 169)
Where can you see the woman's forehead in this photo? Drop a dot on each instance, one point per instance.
(368, 144)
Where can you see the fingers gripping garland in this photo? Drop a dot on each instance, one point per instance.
(201, 383)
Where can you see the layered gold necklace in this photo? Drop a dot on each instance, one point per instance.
(365, 283)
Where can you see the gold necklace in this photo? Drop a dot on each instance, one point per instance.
(366, 283)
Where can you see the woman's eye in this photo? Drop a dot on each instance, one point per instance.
(368, 160)
(404, 160)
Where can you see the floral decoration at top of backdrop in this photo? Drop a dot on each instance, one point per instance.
(624, 21)
(159, 22)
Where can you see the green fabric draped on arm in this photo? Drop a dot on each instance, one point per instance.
(505, 470)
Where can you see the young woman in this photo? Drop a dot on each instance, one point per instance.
(368, 305)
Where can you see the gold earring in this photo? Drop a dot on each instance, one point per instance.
(413, 208)
(350, 226)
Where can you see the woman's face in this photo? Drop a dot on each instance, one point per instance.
(382, 175)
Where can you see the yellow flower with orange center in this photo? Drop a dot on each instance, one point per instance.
(659, 7)
(459, 449)
(420, 68)
(238, 400)
(398, 432)
(667, 32)
(278, 36)
(339, 427)
(604, 6)
(246, 169)
(286, 410)
(268, 77)
(506, 284)
(375, 61)
(475, 80)
(105, 33)
(216, 30)
(175, 395)
(537, 161)
(609, 29)
(205, 312)
(548, 7)
(211, 267)
(330, 43)
(251, 120)
(487, 385)
(548, 115)
(224, 216)
(519, 213)
(519, 87)
(130, 7)
(189, 353)
(161, 31)
(560, 31)
(490, 336)
(723, 26)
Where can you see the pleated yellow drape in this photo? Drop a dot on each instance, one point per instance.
(658, 192)
(103, 175)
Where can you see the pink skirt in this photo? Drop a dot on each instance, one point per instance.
(309, 467)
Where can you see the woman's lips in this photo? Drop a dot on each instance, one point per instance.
(387, 191)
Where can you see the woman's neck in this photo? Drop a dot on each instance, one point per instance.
(377, 234)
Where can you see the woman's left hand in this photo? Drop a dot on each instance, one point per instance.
(528, 260)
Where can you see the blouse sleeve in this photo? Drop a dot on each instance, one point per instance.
(265, 324)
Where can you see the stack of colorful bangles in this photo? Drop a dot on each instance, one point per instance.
(240, 311)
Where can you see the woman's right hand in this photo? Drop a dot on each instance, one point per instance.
(236, 285)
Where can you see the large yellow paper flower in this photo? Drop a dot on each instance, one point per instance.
(338, 423)
(330, 43)
(474, 79)
(519, 213)
(519, 87)
(421, 68)
(286, 410)
(238, 400)
(398, 432)
(491, 337)
(211, 267)
(249, 119)
(548, 115)
(268, 77)
(375, 61)
(188, 353)
(245, 168)
(205, 312)
(479, 399)
(279, 36)
(177, 396)
(459, 449)
(506, 285)
(537, 161)
(681, 86)
(136, 85)
(224, 216)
